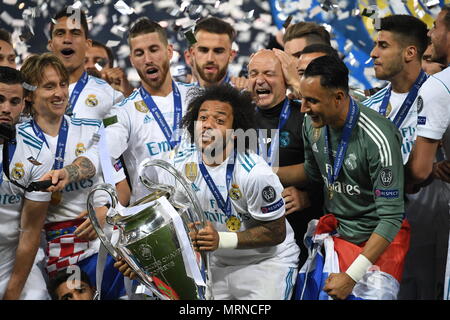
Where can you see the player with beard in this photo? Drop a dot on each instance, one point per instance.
(7, 54)
(90, 97)
(212, 52)
(143, 124)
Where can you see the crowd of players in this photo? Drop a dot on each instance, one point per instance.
(367, 167)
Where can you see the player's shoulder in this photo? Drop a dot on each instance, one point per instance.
(250, 163)
(437, 82)
(371, 118)
(84, 122)
(26, 135)
(130, 100)
(376, 98)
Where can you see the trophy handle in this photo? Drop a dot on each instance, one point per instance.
(180, 178)
(91, 211)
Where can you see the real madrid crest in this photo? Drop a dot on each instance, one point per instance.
(80, 149)
(235, 192)
(18, 172)
(91, 100)
(316, 134)
(191, 171)
(141, 106)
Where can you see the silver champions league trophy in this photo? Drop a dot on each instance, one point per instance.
(153, 234)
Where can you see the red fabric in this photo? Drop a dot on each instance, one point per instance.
(391, 261)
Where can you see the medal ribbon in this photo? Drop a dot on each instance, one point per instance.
(275, 142)
(159, 116)
(81, 83)
(406, 106)
(224, 206)
(61, 145)
(350, 122)
(9, 148)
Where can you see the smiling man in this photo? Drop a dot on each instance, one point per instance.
(282, 143)
(356, 152)
(90, 97)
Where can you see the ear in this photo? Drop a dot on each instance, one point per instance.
(170, 51)
(232, 55)
(50, 45)
(339, 97)
(410, 53)
(88, 44)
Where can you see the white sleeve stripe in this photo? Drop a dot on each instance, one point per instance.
(377, 142)
(378, 134)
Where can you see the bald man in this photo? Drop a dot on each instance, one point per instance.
(281, 144)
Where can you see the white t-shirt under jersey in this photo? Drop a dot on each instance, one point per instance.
(96, 99)
(31, 160)
(136, 134)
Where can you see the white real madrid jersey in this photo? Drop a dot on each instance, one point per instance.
(409, 124)
(31, 160)
(73, 199)
(96, 99)
(433, 101)
(132, 130)
(255, 193)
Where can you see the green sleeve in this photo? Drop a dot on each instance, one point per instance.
(387, 175)
(311, 168)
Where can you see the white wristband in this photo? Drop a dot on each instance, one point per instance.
(228, 240)
(358, 268)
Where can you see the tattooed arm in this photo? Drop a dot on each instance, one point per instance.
(265, 234)
(80, 169)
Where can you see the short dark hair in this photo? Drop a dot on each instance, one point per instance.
(313, 33)
(109, 52)
(11, 76)
(410, 30)
(332, 71)
(240, 101)
(5, 36)
(322, 48)
(64, 12)
(215, 25)
(61, 277)
(144, 25)
(446, 8)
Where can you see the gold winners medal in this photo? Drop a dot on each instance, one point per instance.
(233, 224)
(56, 198)
(388, 109)
(330, 192)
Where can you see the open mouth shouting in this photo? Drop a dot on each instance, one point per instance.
(67, 53)
(152, 73)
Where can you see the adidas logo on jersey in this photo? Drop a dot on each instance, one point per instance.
(147, 119)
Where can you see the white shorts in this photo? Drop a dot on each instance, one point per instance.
(266, 280)
(35, 287)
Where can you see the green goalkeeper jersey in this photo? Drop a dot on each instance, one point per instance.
(367, 196)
